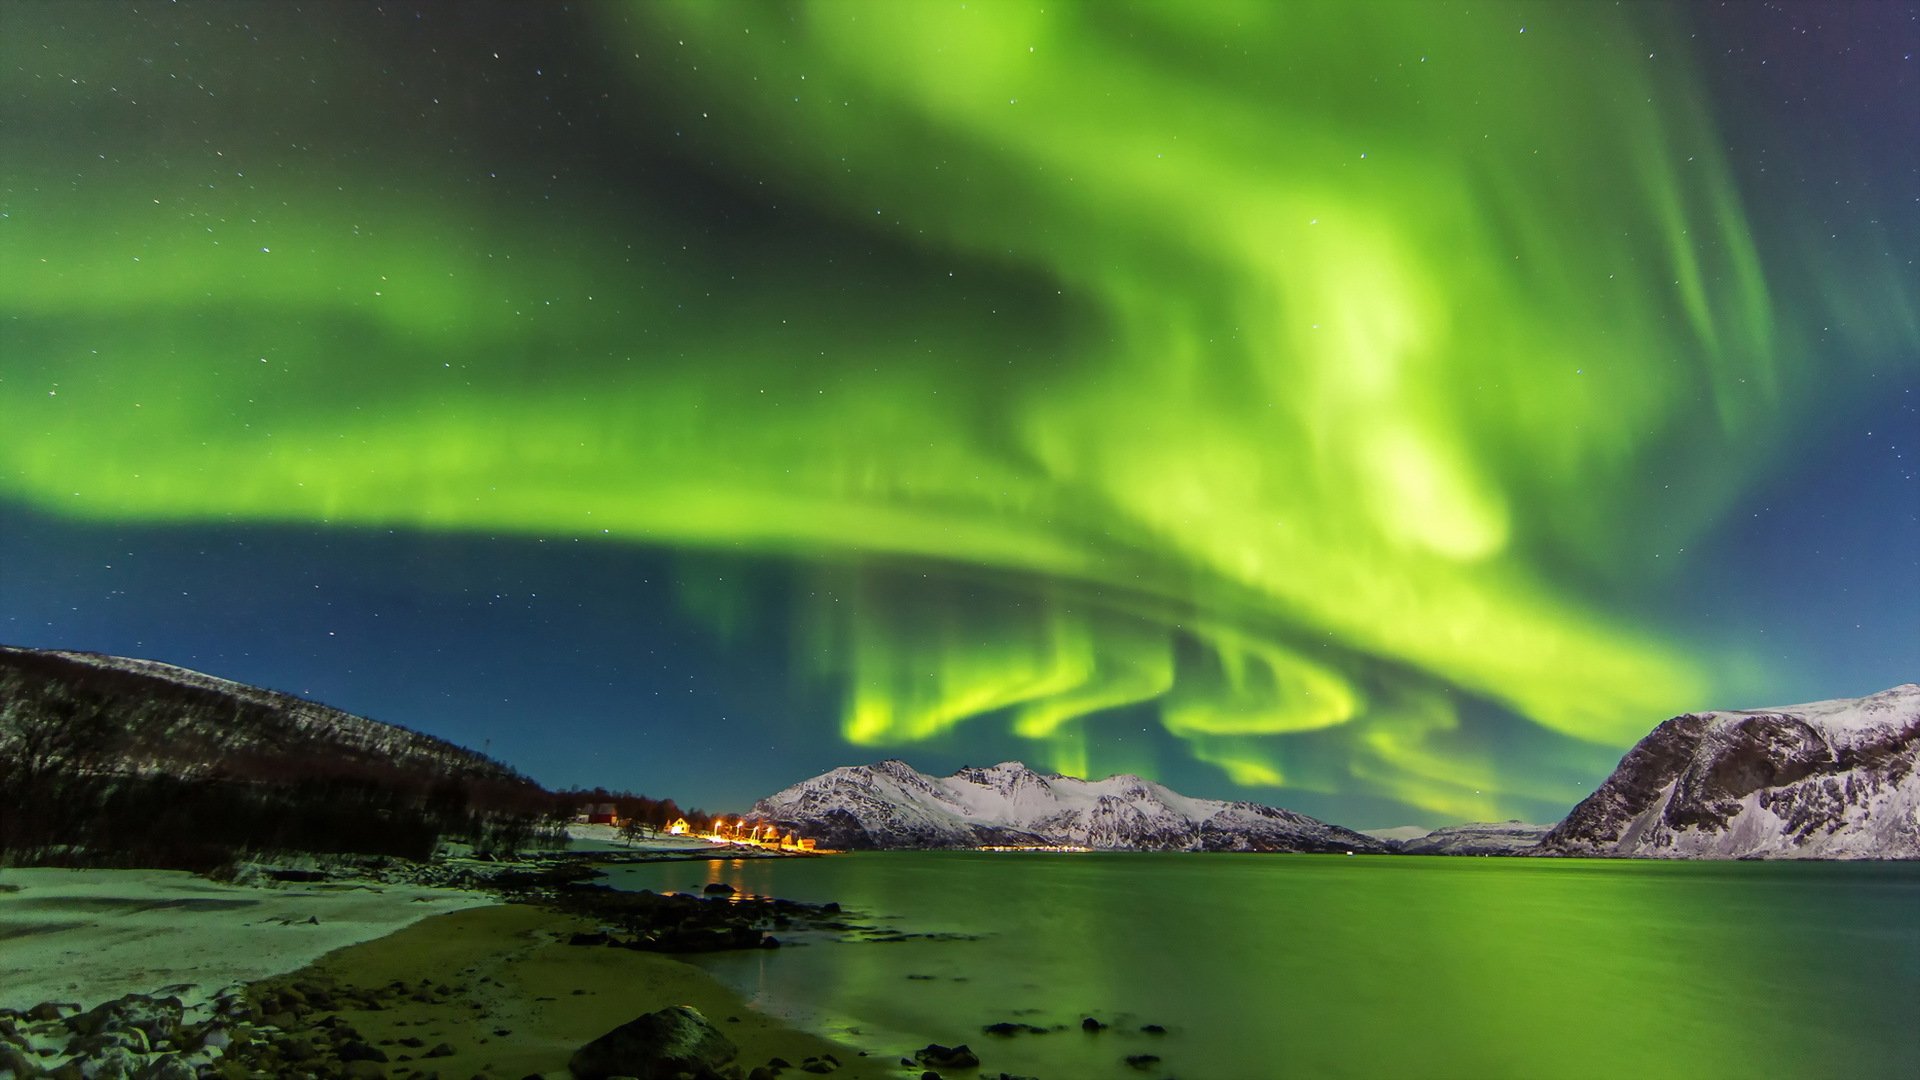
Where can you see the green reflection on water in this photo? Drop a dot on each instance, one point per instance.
(1359, 967)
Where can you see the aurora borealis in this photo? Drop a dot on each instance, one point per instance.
(1389, 411)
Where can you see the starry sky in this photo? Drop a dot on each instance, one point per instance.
(1388, 411)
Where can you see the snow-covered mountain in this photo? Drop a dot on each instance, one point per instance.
(890, 805)
(147, 717)
(1477, 838)
(1827, 780)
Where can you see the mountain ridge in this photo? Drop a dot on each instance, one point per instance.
(185, 722)
(1835, 779)
(889, 804)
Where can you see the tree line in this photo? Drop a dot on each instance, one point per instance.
(83, 781)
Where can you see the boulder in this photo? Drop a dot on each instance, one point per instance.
(657, 1046)
(22, 1066)
(155, 1018)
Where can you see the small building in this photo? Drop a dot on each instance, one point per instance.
(603, 814)
(678, 827)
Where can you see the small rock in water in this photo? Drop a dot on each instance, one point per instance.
(947, 1057)
(1153, 1029)
(1090, 1024)
(718, 888)
(1143, 1062)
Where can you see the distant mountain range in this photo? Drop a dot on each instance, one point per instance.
(1827, 780)
(1832, 779)
(1477, 838)
(890, 805)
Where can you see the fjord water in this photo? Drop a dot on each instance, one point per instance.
(1366, 967)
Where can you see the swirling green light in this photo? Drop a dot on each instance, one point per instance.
(1296, 361)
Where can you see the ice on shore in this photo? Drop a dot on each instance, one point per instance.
(90, 935)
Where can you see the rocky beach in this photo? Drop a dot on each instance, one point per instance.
(392, 970)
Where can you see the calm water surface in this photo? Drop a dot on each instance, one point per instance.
(1370, 967)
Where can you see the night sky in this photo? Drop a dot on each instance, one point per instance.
(1388, 411)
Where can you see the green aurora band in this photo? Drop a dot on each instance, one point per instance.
(1289, 373)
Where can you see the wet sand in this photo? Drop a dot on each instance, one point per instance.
(530, 999)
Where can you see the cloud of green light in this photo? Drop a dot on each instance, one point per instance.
(1294, 363)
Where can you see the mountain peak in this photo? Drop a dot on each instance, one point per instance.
(1012, 803)
(1826, 779)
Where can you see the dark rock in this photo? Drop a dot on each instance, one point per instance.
(168, 1067)
(440, 1050)
(412, 1042)
(1153, 1029)
(657, 1046)
(23, 1066)
(718, 888)
(946, 1057)
(359, 1051)
(1142, 1062)
(1090, 1024)
(157, 1019)
(97, 1045)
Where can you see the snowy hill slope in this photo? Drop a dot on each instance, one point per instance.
(890, 805)
(158, 718)
(1826, 780)
(1476, 838)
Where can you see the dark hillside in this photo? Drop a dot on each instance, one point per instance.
(107, 759)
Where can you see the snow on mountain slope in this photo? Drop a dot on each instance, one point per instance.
(890, 805)
(1476, 838)
(1825, 780)
(181, 722)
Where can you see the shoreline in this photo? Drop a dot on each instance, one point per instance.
(499, 991)
(88, 935)
(425, 979)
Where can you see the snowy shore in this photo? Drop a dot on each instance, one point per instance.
(169, 975)
(88, 935)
